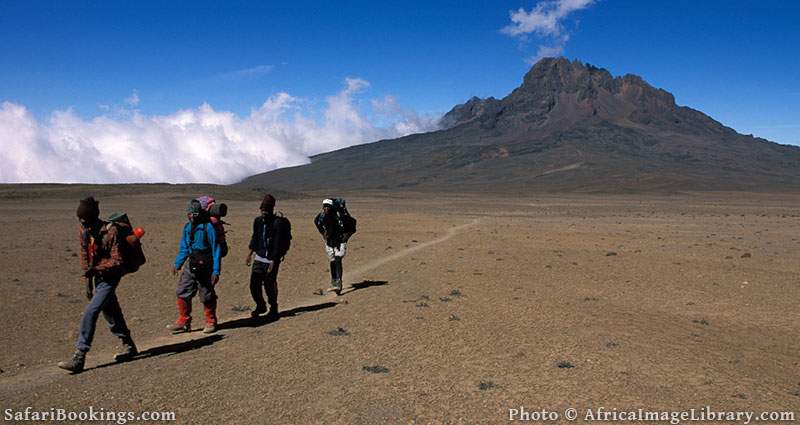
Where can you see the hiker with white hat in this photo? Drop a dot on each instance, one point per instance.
(336, 226)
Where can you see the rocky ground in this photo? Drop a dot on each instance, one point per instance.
(462, 307)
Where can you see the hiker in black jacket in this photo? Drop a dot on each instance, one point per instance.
(330, 227)
(268, 245)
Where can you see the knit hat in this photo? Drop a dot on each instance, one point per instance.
(268, 204)
(194, 207)
(88, 209)
(328, 202)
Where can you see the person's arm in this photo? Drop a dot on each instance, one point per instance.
(83, 243)
(216, 249)
(319, 222)
(254, 238)
(183, 249)
(83, 240)
(253, 243)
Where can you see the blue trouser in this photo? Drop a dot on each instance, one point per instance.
(103, 301)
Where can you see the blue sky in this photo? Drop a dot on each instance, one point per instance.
(737, 61)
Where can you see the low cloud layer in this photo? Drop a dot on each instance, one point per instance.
(201, 145)
(545, 20)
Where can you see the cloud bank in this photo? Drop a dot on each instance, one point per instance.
(545, 20)
(201, 145)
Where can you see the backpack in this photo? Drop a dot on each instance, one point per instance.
(130, 246)
(202, 260)
(282, 223)
(339, 204)
(215, 212)
(346, 221)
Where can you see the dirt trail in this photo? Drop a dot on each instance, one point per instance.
(39, 376)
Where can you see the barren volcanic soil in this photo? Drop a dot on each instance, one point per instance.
(464, 306)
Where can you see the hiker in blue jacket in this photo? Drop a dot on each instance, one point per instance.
(200, 247)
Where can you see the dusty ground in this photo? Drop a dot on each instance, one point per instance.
(467, 306)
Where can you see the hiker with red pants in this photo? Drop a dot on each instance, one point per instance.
(199, 245)
(103, 267)
(269, 243)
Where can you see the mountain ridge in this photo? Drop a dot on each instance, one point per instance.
(568, 127)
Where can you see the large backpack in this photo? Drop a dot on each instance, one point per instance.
(130, 246)
(282, 224)
(346, 221)
(216, 211)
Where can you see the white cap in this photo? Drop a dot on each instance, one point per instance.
(327, 202)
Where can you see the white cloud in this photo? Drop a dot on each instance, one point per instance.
(191, 145)
(545, 20)
(246, 73)
(133, 99)
(546, 52)
(388, 110)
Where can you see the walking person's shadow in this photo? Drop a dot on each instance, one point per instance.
(254, 322)
(245, 322)
(168, 349)
(251, 322)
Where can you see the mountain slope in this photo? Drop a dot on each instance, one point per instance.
(568, 127)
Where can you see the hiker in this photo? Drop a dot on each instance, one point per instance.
(200, 246)
(268, 245)
(103, 267)
(336, 226)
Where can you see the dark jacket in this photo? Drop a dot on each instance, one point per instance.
(100, 249)
(330, 227)
(266, 240)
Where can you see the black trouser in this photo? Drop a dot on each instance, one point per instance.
(336, 268)
(269, 281)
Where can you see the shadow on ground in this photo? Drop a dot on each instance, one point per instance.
(245, 322)
(169, 349)
(249, 322)
(364, 284)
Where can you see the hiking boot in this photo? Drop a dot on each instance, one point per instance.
(75, 364)
(273, 314)
(184, 322)
(129, 350)
(258, 312)
(177, 328)
(338, 285)
(210, 313)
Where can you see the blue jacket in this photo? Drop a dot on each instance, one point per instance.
(199, 244)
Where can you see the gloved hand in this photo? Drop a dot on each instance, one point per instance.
(89, 289)
(91, 272)
(215, 280)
